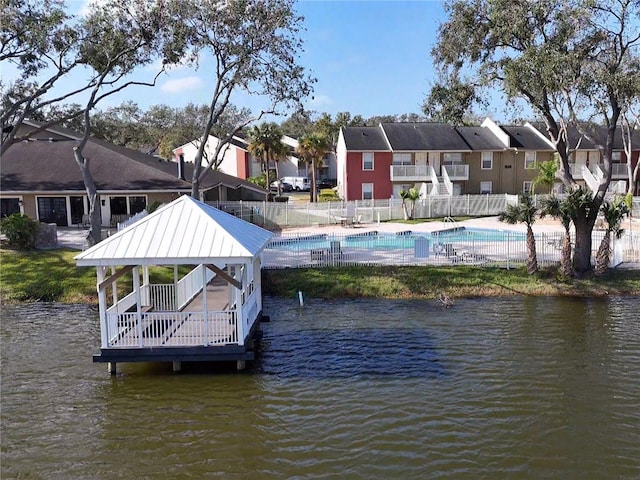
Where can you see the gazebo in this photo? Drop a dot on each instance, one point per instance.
(211, 309)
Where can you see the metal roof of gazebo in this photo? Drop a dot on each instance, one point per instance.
(185, 231)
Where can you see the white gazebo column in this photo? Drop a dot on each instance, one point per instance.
(102, 311)
(114, 287)
(205, 310)
(146, 293)
(136, 289)
(102, 308)
(257, 282)
(237, 292)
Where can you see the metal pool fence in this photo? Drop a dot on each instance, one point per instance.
(501, 249)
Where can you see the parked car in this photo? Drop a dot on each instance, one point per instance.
(324, 184)
(299, 184)
(284, 186)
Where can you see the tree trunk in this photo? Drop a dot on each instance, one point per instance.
(565, 260)
(277, 180)
(582, 251)
(532, 261)
(95, 232)
(313, 181)
(195, 186)
(604, 252)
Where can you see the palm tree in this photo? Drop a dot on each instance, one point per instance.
(524, 212)
(409, 195)
(546, 175)
(263, 140)
(312, 148)
(613, 213)
(562, 210)
(278, 152)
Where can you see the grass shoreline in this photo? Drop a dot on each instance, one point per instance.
(52, 275)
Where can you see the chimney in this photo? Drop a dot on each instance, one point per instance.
(181, 167)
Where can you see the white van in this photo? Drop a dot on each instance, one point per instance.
(299, 184)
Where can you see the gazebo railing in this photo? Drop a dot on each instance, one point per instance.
(172, 329)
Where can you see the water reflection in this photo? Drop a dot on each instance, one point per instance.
(511, 387)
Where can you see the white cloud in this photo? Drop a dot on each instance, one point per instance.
(180, 85)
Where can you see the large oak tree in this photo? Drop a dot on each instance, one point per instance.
(251, 46)
(574, 62)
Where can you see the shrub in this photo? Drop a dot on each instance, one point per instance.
(281, 199)
(20, 231)
(328, 195)
(153, 207)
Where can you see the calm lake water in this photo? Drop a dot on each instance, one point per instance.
(500, 388)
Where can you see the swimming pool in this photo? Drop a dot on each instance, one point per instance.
(374, 240)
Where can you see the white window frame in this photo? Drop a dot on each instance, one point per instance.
(368, 157)
(402, 159)
(616, 157)
(527, 185)
(452, 158)
(483, 188)
(530, 163)
(489, 159)
(367, 188)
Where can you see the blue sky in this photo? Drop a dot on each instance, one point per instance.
(370, 58)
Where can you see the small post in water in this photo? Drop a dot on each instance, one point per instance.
(300, 298)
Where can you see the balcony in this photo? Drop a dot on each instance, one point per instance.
(411, 173)
(619, 170)
(457, 172)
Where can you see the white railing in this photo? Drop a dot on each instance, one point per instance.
(596, 170)
(590, 179)
(163, 297)
(409, 172)
(434, 180)
(171, 329)
(456, 172)
(276, 215)
(447, 181)
(190, 285)
(619, 170)
(576, 170)
(132, 220)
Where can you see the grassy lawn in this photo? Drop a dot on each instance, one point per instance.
(430, 282)
(53, 276)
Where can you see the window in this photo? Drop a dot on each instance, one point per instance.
(450, 158)
(526, 187)
(9, 206)
(367, 191)
(367, 161)
(137, 204)
(118, 205)
(485, 188)
(529, 160)
(402, 159)
(487, 161)
(616, 157)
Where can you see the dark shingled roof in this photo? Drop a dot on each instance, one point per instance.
(365, 138)
(480, 138)
(42, 165)
(526, 139)
(576, 140)
(424, 136)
